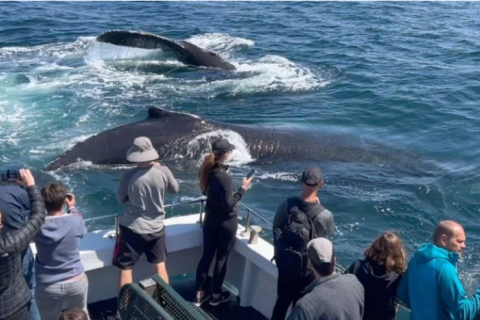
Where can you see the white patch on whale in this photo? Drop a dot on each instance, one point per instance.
(201, 144)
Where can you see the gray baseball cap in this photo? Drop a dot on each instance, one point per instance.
(320, 251)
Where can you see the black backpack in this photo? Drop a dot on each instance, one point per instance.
(291, 240)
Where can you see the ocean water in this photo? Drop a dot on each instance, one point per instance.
(402, 78)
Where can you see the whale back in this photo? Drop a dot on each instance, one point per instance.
(158, 113)
(167, 130)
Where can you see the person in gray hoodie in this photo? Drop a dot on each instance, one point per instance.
(332, 296)
(59, 272)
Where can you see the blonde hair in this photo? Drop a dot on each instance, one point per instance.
(205, 170)
(387, 250)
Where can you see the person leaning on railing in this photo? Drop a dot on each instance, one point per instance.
(221, 220)
(14, 291)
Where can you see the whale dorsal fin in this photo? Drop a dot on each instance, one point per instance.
(157, 113)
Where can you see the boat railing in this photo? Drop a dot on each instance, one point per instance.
(200, 201)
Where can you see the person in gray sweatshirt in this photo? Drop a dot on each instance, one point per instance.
(59, 271)
(332, 296)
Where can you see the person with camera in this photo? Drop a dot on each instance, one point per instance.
(61, 279)
(14, 291)
(142, 228)
(15, 205)
(221, 220)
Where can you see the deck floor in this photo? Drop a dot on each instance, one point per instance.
(185, 286)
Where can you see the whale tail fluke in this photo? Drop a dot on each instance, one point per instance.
(186, 52)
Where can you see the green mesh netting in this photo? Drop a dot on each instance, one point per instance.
(136, 304)
(174, 304)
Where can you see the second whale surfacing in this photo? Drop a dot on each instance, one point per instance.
(186, 52)
(171, 133)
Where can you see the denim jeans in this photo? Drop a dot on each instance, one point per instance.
(28, 269)
(52, 297)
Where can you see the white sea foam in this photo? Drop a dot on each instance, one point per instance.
(84, 164)
(53, 67)
(239, 156)
(57, 50)
(67, 143)
(283, 176)
(220, 42)
(180, 199)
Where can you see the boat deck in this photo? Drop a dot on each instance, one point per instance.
(185, 286)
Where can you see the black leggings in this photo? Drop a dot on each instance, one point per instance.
(219, 237)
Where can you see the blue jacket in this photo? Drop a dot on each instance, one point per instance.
(432, 289)
(14, 206)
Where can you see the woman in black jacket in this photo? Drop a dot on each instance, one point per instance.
(380, 273)
(14, 291)
(221, 222)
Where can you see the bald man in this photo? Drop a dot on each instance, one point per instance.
(431, 287)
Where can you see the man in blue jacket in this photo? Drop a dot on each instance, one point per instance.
(431, 287)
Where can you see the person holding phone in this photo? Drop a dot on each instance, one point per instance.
(221, 220)
(14, 291)
(60, 274)
(15, 205)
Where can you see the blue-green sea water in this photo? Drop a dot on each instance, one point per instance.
(404, 77)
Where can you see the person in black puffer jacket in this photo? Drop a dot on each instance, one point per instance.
(380, 274)
(14, 291)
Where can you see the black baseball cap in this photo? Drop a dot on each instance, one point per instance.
(222, 146)
(312, 176)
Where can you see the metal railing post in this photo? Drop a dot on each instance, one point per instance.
(201, 212)
(246, 232)
(117, 227)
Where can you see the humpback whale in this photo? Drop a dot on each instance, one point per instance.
(186, 52)
(171, 133)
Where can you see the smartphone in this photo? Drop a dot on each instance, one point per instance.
(11, 176)
(250, 174)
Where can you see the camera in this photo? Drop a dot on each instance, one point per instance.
(11, 176)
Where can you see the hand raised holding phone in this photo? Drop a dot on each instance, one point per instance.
(26, 178)
(247, 181)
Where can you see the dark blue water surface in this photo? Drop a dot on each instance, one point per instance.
(402, 78)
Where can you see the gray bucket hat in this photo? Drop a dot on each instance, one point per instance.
(142, 150)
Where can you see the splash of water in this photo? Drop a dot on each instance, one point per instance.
(201, 144)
